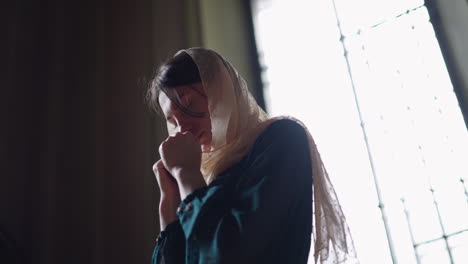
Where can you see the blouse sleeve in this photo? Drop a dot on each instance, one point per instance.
(236, 223)
(170, 245)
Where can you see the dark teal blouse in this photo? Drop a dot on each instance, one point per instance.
(257, 211)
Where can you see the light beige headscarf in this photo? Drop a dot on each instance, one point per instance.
(236, 121)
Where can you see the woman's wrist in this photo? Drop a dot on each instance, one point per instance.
(189, 181)
(167, 211)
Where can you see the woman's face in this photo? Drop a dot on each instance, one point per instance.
(194, 98)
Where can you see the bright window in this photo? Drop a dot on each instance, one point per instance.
(390, 88)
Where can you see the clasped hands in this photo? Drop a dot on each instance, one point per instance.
(177, 172)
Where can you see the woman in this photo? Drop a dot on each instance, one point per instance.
(236, 186)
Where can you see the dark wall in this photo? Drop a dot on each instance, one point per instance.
(76, 141)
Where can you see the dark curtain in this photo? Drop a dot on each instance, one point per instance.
(77, 141)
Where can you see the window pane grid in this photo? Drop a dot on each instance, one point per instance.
(410, 116)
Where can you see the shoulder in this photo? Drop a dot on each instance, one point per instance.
(287, 124)
(281, 149)
(282, 131)
(280, 137)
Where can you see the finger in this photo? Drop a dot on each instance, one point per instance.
(190, 135)
(187, 133)
(156, 166)
(163, 147)
(178, 134)
(160, 164)
(163, 177)
(159, 168)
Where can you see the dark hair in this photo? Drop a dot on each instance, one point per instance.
(178, 70)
